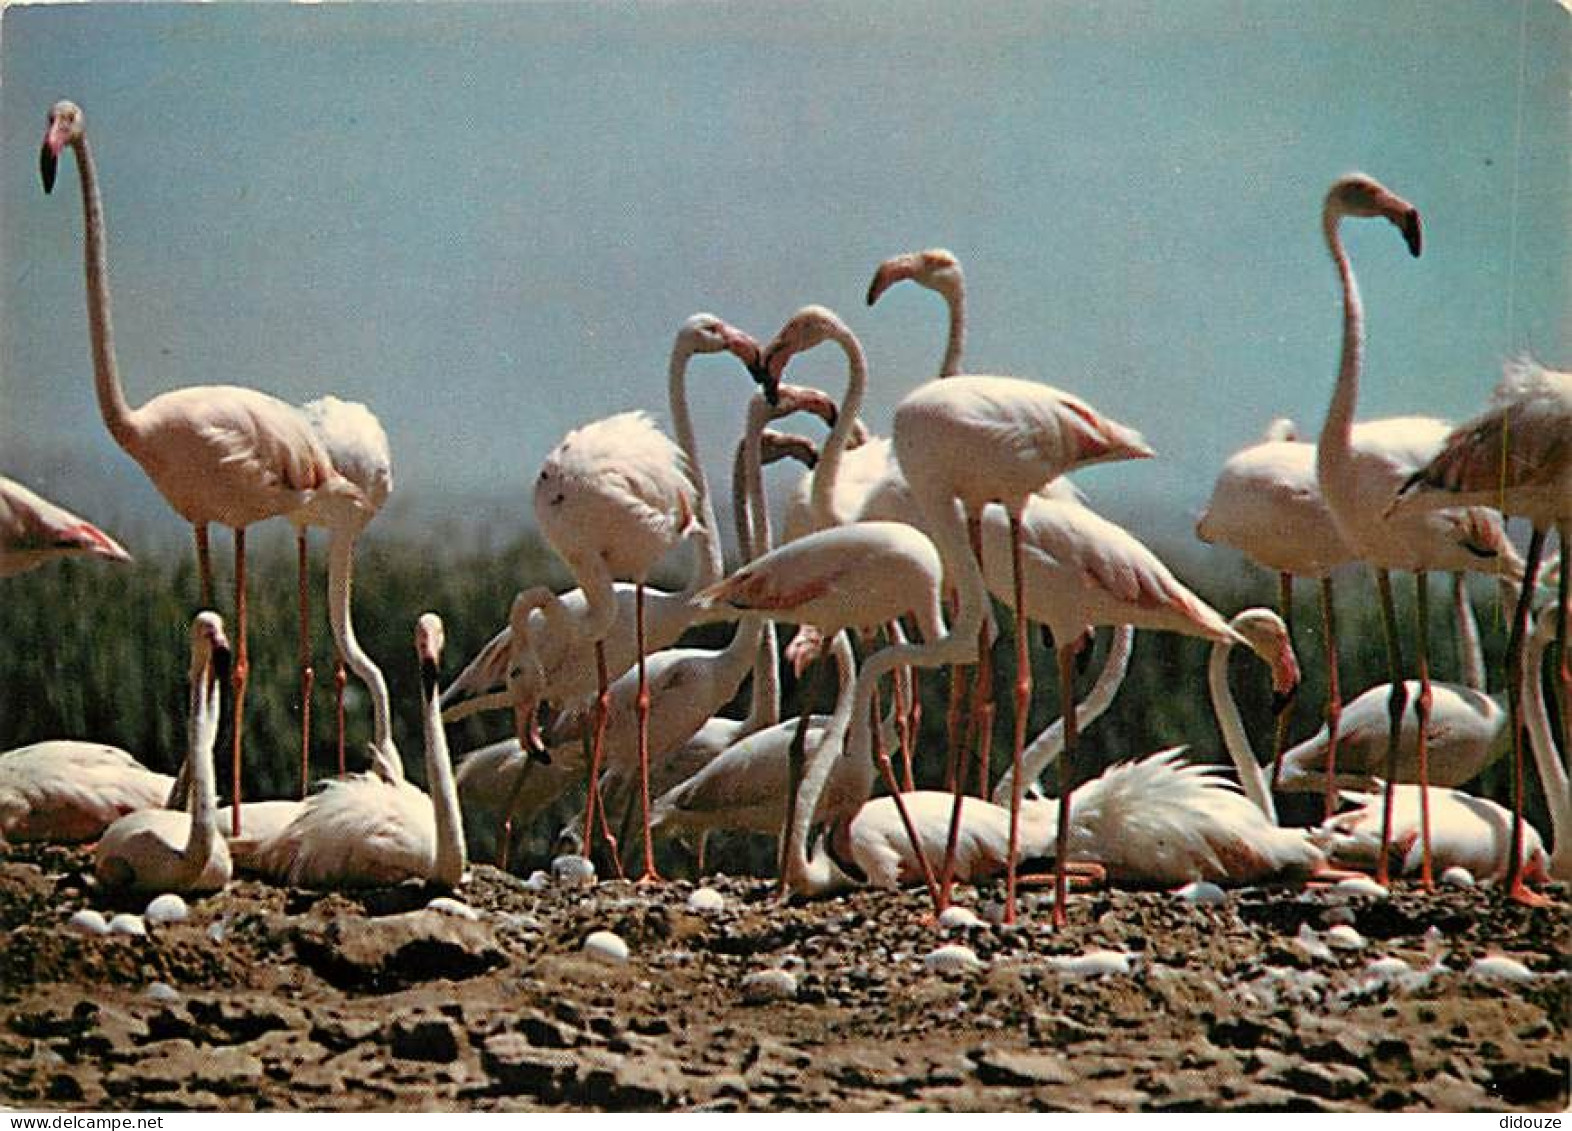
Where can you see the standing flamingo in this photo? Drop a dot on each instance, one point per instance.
(1514, 456)
(1360, 468)
(34, 531)
(358, 446)
(217, 453)
(159, 850)
(1267, 504)
(964, 442)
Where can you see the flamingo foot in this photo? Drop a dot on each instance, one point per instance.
(1520, 893)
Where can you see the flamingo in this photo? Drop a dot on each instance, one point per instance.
(364, 831)
(890, 497)
(1154, 822)
(684, 686)
(1267, 504)
(68, 791)
(1360, 468)
(1514, 456)
(358, 447)
(34, 531)
(973, 440)
(162, 850)
(569, 668)
(217, 453)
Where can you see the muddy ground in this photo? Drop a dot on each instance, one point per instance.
(274, 999)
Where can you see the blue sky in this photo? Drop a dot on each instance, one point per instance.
(486, 221)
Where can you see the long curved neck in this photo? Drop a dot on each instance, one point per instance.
(753, 538)
(1471, 656)
(955, 345)
(202, 731)
(824, 476)
(448, 867)
(1234, 736)
(1047, 745)
(832, 744)
(709, 567)
(386, 763)
(1336, 441)
(1552, 773)
(106, 376)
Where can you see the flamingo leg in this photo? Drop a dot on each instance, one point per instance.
(204, 564)
(952, 715)
(1396, 703)
(1061, 888)
(643, 703)
(1563, 685)
(955, 778)
(600, 717)
(1422, 707)
(1023, 698)
(1516, 889)
(983, 708)
(307, 675)
(888, 771)
(1285, 597)
(904, 691)
(1334, 696)
(238, 675)
(505, 840)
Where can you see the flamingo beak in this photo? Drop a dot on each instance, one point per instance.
(219, 665)
(526, 728)
(48, 165)
(805, 398)
(428, 676)
(742, 346)
(1411, 231)
(1285, 681)
(890, 272)
(767, 375)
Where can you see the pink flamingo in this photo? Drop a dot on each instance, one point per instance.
(1513, 456)
(1360, 469)
(217, 453)
(964, 442)
(34, 531)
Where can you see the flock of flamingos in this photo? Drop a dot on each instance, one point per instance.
(912, 537)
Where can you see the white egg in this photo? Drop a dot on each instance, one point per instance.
(167, 908)
(88, 922)
(706, 899)
(952, 959)
(603, 946)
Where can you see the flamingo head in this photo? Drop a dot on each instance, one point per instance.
(1267, 636)
(210, 653)
(65, 128)
(936, 269)
(1359, 195)
(429, 637)
(809, 327)
(791, 399)
(775, 446)
(705, 333)
(526, 678)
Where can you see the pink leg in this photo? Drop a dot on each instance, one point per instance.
(204, 564)
(1422, 711)
(307, 675)
(1061, 888)
(1517, 889)
(1334, 697)
(888, 771)
(1397, 702)
(238, 675)
(650, 874)
(1023, 698)
(1285, 594)
(592, 806)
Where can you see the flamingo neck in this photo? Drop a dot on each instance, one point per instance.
(1334, 448)
(386, 763)
(1552, 773)
(1234, 736)
(955, 344)
(709, 567)
(822, 500)
(1047, 745)
(112, 405)
(753, 538)
(1471, 657)
(202, 802)
(821, 760)
(448, 865)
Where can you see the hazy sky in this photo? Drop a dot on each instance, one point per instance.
(487, 221)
